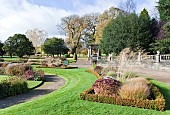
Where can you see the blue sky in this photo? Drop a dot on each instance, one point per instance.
(17, 16)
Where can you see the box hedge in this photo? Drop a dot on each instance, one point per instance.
(157, 102)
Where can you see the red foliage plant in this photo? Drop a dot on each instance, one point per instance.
(106, 86)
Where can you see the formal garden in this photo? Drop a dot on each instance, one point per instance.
(94, 69)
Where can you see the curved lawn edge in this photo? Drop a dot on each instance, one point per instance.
(66, 99)
(52, 83)
(34, 84)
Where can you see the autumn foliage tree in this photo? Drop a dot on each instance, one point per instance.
(78, 28)
(104, 19)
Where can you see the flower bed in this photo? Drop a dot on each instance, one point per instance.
(158, 103)
(156, 100)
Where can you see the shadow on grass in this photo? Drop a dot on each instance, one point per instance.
(164, 90)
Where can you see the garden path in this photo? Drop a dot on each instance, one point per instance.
(160, 75)
(52, 83)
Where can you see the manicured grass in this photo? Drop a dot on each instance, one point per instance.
(165, 90)
(65, 101)
(6, 58)
(34, 84)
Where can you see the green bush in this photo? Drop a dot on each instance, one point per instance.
(158, 103)
(17, 69)
(66, 55)
(13, 86)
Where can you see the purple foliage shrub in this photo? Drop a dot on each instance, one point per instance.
(107, 86)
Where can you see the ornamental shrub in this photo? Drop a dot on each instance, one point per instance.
(107, 86)
(17, 69)
(138, 79)
(39, 75)
(130, 74)
(135, 89)
(31, 75)
(157, 104)
(13, 86)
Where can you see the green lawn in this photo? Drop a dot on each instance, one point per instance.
(65, 101)
(33, 84)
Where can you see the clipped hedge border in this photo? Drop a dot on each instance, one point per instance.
(94, 73)
(157, 104)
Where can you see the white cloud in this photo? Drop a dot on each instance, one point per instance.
(17, 16)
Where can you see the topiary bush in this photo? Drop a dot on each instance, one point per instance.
(107, 86)
(13, 86)
(17, 69)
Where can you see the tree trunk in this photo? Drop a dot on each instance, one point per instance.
(10, 55)
(73, 50)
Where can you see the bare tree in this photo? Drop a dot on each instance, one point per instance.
(36, 36)
(78, 28)
(129, 6)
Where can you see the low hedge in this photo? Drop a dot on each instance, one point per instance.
(13, 86)
(94, 73)
(157, 103)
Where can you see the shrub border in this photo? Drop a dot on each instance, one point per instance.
(157, 104)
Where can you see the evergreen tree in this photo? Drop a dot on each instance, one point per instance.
(127, 31)
(54, 46)
(164, 9)
(18, 45)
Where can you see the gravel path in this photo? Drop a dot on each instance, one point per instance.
(163, 76)
(52, 83)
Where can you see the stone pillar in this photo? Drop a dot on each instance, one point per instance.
(139, 57)
(89, 53)
(157, 57)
